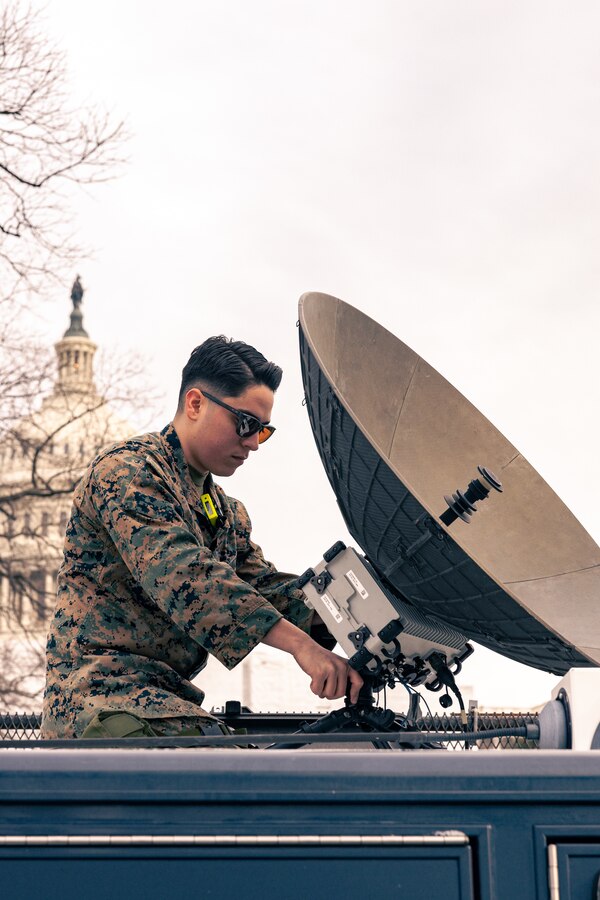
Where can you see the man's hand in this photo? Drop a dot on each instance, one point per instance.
(330, 674)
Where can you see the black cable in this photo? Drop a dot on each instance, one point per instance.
(445, 677)
(411, 690)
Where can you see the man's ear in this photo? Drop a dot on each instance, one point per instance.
(194, 400)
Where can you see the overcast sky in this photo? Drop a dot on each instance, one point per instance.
(435, 165)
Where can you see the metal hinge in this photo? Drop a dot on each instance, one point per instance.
(443, 838)
(553, 883)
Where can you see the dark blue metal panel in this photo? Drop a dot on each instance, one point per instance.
(508, 806)
(578, 870)
(140, 874)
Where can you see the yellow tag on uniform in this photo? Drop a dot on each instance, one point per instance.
(209, 509)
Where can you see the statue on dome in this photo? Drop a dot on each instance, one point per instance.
(76, 328)
(77, 293)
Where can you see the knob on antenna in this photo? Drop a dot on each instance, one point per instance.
(462, 505)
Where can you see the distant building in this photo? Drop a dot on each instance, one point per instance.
(41, 459)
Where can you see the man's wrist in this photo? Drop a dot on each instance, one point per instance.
(287, 637)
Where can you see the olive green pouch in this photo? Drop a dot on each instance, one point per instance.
(114, 724)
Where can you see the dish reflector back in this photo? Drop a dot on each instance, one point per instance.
(523, 577)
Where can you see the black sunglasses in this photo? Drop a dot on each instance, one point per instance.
(247, 425)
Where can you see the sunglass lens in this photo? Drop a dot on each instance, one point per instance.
(265, 433)
(248, 425)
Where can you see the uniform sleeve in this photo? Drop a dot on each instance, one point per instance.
(277, 587)
(203, 596)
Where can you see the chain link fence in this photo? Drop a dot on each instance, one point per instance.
(20, 726)
(26, 726)
(482, 721)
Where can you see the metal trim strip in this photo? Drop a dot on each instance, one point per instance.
(553, 882)
(450, 838)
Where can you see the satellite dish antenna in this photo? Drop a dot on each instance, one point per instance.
(449, 514)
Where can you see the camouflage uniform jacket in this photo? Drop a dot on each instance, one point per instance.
(148, 588)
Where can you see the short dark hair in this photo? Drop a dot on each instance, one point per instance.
(227, 367)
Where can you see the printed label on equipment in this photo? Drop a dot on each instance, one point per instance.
(331, 606)
(356, 584)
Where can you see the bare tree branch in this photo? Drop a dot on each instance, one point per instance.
(49, 428)
(45, 145)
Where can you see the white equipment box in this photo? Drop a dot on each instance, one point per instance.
(380, 632)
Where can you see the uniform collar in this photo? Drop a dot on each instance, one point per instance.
(171, 438)
(173, 443)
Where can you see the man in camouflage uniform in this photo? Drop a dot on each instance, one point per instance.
(159, 568)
